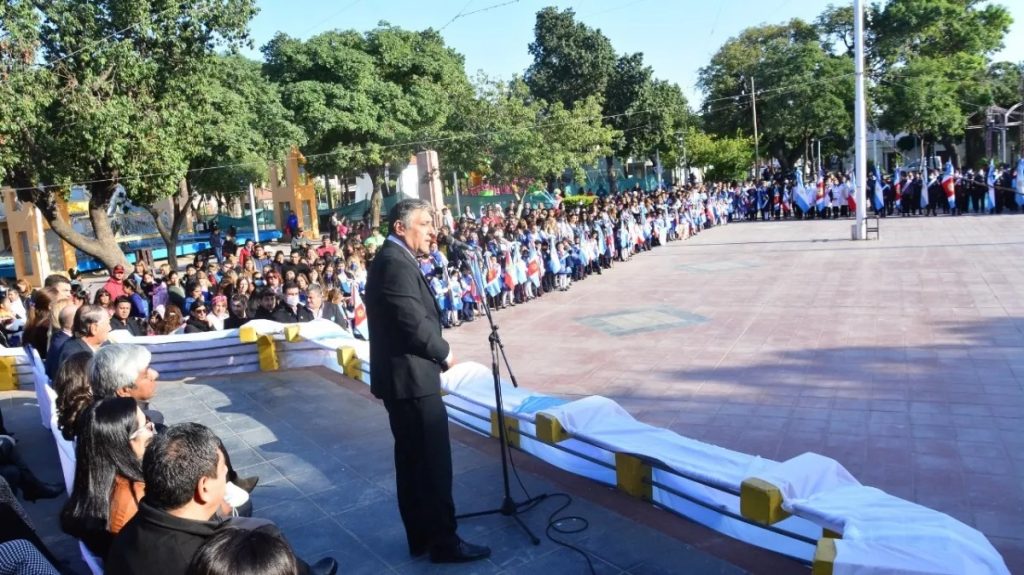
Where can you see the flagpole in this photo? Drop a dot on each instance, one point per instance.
(859, 231)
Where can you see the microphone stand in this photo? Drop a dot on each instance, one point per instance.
(509, 506)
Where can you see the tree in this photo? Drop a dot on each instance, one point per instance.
(950, 39)
(107, 77)
(240, 123)
(625, 96)
(804, 92)
(571, 61)
(723, 158)
(510, 135)
(364, 99)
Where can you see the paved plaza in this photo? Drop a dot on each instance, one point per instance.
(322, 449)
(900, 358)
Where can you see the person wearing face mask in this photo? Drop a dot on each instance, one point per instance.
(291, 309)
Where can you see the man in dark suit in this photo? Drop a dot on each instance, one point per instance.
(291, 310)
(321, 309)
(408, 355)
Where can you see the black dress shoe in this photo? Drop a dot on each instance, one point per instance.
(461, 552)
(325, 566)
(418, 550)
(247, 483)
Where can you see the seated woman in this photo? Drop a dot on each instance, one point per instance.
(74, 393)
(112, 437)
(198, 320)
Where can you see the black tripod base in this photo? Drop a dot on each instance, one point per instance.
(510, 508)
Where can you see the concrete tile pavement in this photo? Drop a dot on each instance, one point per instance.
(901, 358)
(323, 451)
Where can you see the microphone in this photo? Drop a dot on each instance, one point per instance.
(460, 245)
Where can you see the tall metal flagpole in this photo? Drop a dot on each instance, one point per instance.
(757, 143)
(252, 211)
(860, 123)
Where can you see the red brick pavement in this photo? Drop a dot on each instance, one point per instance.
(900, 358)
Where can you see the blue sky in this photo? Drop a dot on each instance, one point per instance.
(677, 37)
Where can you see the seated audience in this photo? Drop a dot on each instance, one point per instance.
(198, 318)
(74, 393)
(291, 310)
(124, 320)
(234, 551)
(66, 322)
(186, 477)
(113, 434)
(90, 330)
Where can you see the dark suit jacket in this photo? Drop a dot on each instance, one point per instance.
(57, 341)
(332, 312)
(406, 347)
(155, 542)
(284, 314)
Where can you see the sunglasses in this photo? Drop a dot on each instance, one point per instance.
(200, 310)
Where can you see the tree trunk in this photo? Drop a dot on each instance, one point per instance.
(103, 247)
(613, 180)
(180, 205)
(954, 154)
(376, 196)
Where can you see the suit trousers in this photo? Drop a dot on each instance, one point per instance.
(423, 470)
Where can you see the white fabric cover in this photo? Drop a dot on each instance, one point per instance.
(601, 421)
(885, 534)
(806, 475)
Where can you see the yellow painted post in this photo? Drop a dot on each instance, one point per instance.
(8, 374)
(761, 501)
(824, 557)
(349, 362)
(633, 476)
(511, 428)
(267, 350)
(549, 430)
(291, 332)
(247, 334)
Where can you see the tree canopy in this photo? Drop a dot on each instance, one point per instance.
(364, 99)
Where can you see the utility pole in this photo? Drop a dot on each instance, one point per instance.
(860, 140)
(757, 150)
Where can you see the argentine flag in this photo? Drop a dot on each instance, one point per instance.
(821, 201)
(925, 184)
(949, 185)
(878, 198)
(800, 193)
(990, 179)
(1020, 182)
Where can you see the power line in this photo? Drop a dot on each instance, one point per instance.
(461, 15)
(321, 22)
(424, 142)
(456, 16)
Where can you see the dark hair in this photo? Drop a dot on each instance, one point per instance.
(54, 280)
(103, 453)
(122, 299)
(100, 293)
(289, 285)
(234, 551)
(175, 462)
(403, 211)
(74, 393)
